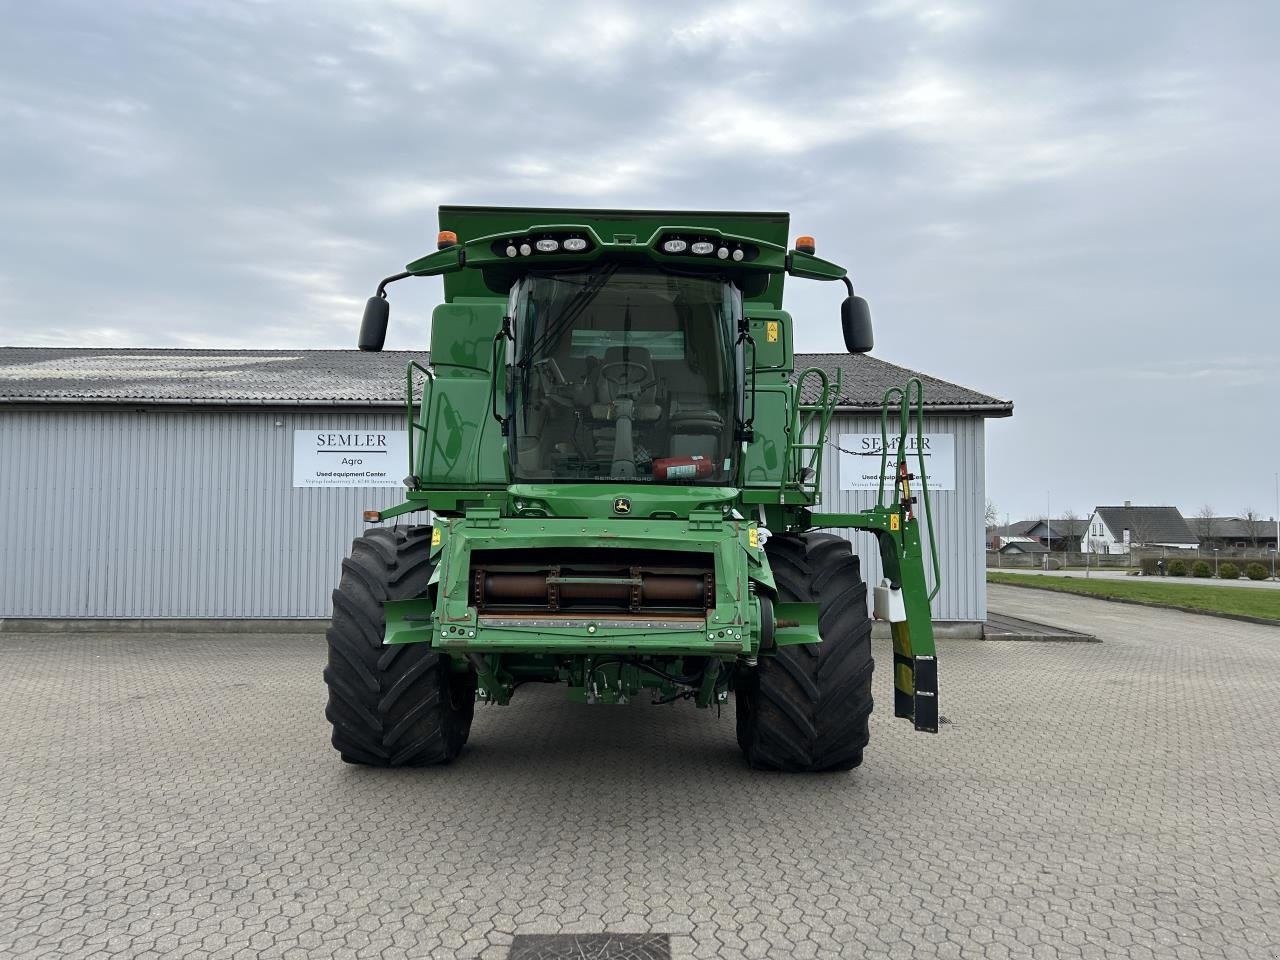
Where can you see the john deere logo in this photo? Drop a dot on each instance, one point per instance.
(621, 505)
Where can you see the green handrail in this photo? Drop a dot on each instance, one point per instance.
(428, 378)
(804, 418)
(905, 398)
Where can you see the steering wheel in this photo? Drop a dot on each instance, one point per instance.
(618, 375)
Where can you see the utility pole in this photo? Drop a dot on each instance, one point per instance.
(1048, 531)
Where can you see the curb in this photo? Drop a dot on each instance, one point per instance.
(1242, 617)
(943, 630)
(148, 625)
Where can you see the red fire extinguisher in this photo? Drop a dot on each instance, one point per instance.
(682, 468)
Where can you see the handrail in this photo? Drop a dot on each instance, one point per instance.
(424, 408)
(905, 398)
(803, 420)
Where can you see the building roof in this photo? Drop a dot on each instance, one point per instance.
(329, 377)
(1234, 528)
(1059, 527)
(1022, 545)
(1019, 528)
(864, 380)
(1147, 524)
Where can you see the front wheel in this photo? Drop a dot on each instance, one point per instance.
(806, 707)
(391, 706)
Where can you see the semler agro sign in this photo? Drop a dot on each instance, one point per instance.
(350, 458)
(860, 460)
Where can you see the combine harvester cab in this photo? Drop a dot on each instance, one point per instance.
(622, 471)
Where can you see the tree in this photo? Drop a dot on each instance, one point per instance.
(1252, 523)
(1204, 524)
(993, 514)
(1069, 539)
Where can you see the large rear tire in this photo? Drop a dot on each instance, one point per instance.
(806, 707)
(390, 706)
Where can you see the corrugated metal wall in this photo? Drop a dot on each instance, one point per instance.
(163, 512)
(957, 515)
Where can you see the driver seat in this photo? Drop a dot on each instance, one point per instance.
(620, 385)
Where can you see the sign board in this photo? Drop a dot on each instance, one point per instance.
(860, 460)
(350, 458)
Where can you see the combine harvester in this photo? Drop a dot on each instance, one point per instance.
(623, 472)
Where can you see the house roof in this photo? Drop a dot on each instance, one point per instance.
(1019, 528)
(1060, 527)
(1148, 524)
(1024, 546)
(1233, 528)
(328, 377)
(1057, 527)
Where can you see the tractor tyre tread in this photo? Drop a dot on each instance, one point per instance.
(807, 707)
(390, 706)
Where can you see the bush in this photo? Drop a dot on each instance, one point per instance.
(1229, 571)
(1201, 568)
(1178, 568)
(1255, 571)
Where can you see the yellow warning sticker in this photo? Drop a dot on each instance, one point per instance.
(893, 521)
(435, 536)
(753, 537)
(771, 331)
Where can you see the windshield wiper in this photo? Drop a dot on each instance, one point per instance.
(572, 310)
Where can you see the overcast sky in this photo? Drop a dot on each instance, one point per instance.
(1073, 206)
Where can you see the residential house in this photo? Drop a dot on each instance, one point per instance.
(1059, 533)
(1014, 546)
(1116, 529)
(1234, 533)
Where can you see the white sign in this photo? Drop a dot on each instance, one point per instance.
(350, 458)
(860, 460)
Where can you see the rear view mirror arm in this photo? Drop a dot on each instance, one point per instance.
(382, 286)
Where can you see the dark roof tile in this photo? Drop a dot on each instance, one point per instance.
(1147, 524)
(140, 375)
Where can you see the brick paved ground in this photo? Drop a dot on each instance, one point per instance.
(176, 797)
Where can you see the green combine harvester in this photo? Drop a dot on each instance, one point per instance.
(622, 470)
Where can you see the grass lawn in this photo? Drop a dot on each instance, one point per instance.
(1184, 596)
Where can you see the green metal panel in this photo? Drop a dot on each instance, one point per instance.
(610, 225)
(765, 461)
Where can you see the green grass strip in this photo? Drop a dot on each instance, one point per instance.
(1237, 601)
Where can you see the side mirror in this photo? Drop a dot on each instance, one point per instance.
(373, 328)
(855, 317)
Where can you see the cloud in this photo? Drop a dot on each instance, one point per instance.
(1036, 199)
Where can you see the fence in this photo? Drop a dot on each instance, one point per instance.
(1070, 559)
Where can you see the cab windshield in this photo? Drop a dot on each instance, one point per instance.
(625, 375)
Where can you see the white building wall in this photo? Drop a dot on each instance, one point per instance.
(958, 515)
(172, 512)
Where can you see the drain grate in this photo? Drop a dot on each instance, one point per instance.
(590, 946)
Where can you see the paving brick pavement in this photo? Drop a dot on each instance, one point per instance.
(175, 796)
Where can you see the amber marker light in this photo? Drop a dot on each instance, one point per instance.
(446, 238)
(372, 516)
(806, 245)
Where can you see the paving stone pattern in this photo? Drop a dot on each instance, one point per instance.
(175, 796)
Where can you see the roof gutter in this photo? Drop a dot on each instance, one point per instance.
(993, 410)
(195, 402)
(981, 409)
